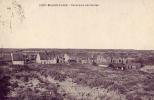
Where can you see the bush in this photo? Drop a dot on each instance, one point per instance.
(15, 85)
(95, 64)
(58, 76)
(4, 83)
(26, 78)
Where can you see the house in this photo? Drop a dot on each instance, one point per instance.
(84, 58)
(71, 58)
(124, 63)
(46, 58)
(122, 60)
(60, 59)
(102, 59)
(17, 59)
(117, 60)
(133, 65)
(30, 57)
(122, 66)
(66, 58)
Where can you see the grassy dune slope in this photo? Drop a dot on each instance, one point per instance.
(79, 82)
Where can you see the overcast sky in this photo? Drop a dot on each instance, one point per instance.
(114, 24)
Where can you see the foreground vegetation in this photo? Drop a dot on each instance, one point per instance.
(78, 82)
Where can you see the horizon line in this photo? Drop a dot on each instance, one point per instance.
(78, 48)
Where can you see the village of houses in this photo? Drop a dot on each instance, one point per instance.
(52, 57)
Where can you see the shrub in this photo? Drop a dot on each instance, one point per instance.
(58, 76)
(15, 85)
(26, 78)
(4, 83)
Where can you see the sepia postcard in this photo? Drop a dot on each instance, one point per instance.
(76, 50)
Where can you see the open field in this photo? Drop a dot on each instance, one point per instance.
(78, 82)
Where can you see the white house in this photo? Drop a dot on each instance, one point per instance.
(46, 58)
(66, 58)
(17, 59)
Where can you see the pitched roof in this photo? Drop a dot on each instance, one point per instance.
(18, 57)
(47, 55)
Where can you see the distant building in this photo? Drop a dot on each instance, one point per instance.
(46, 58)
(30, 57)
(123, 66)
(102, 59)
(84, 58)
(122, 60)
(124, 63)
(117, 60)
(66, 58)
(60, 59)
(17, 59)
(133, 65)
